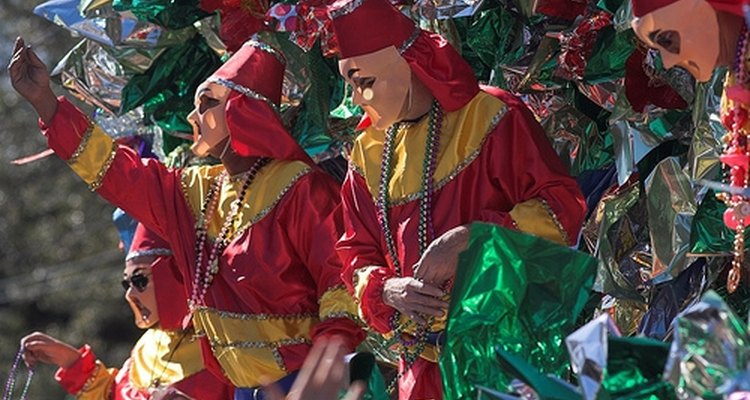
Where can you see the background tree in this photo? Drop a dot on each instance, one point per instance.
(59, 262)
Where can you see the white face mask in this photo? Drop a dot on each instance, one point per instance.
(381, 81)
(142, 299)
(686, 33)
(209, 118)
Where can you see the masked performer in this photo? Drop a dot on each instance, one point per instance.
(437, 153)
(699, 35)
(258, 231)
(166, 358)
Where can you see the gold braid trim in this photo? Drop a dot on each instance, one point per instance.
(556, 221)
(82, 145)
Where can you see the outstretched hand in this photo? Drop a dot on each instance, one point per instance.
(30, 79)
(323, 375)
(39, 347)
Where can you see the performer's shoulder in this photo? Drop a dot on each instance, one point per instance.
(201, 172)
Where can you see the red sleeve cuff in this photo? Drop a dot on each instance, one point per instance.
(374, 311)
(72, 379)
(65, 130)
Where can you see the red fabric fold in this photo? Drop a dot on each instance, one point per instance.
(643, 7)
(67, 119)
(256, 130)
(442, 70)
(642, 90)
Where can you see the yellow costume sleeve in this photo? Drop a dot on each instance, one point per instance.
(337, 303)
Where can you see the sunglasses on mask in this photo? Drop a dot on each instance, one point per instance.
(138, 281)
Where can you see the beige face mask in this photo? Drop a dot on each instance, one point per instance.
(209, 118)
(686, 33)
(381, 83)
(142, 300)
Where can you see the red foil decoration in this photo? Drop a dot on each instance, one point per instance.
(240, 19)
(577, 44)
(565, 9)
(308, 21)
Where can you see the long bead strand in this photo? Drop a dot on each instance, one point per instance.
(11, 381)
(425, 229)
(204, 277)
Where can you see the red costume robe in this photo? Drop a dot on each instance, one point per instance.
(278, 284)
(494, 165)
(169, 358)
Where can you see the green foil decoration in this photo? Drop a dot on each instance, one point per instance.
(612, 49)
(311, 126)
(489, 38)
(171, 14)
(544, 386)
(515, 291)
(166, 90)
(634, 370)
(577, 140)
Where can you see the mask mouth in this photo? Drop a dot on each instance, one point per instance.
(201, 146)
(145, 312)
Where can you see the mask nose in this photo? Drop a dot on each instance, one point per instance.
(357, 97)
(668, 59)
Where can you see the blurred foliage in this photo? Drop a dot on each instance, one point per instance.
(59, 262)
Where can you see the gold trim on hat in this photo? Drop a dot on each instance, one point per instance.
(267, 48)
(245, 90)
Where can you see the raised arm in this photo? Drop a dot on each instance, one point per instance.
(145, 189)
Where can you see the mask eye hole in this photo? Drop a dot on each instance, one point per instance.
(138, 281)
(207, 103)
(668, 40)
(365, 83)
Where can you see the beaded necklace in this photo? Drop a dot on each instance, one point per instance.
(204, 277)
(736, 156)
(155, 382)
(426, 229)
(11, 381)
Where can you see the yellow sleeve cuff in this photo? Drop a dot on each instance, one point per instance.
(535, 217)
(93, 157)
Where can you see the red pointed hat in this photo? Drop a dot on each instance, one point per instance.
(365, 26)
(255, 74)
(643, 7)
(169, 288)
